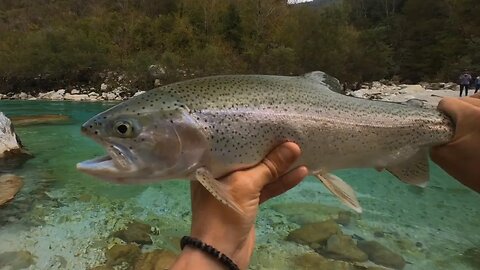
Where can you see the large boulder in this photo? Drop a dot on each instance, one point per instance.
(8, 139)
(9, 186)
(53, 95)
(78, 97)
(381, 255)
(12, 154)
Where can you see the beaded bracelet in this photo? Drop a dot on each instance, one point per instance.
(196, 243)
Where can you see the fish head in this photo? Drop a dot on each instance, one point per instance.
(144, 144)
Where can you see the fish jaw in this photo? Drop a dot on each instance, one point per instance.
(164, 144)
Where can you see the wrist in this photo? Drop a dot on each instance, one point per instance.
(192, 258)
(239, 248)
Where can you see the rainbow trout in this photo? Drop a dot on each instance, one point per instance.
(203, 129)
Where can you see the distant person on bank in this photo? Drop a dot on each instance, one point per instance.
(477, 84)
(464, 81)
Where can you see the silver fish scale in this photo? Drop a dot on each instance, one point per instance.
(244, 117)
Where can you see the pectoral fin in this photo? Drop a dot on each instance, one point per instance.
(217, 188)
(414, 171)
(341, 189)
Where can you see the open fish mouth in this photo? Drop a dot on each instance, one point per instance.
(116, 162)
(97, 164)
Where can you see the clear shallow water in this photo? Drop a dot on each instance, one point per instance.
(65, 218)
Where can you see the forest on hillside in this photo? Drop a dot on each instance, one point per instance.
(50, 43)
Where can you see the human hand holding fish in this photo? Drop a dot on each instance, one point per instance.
(230, 232)
(461, 157)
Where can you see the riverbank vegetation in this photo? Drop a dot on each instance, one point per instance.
(46, 44)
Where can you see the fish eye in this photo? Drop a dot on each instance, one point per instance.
(124, 129)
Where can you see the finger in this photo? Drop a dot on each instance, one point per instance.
(283, 184)
(477, 95)
(472, 101)
(276, 163)
(451, 106)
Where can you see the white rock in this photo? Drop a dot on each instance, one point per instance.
(377, 85)
(157, 83)
(110, 96)
(156, 71)
(8, 139)
(93, 94)
(32, 98)
(451, 86)
(52, 95)
(138, 93)
(23, 95)
(79, 97)
(103, 87)
(413, 88)
(75, 92)
(61, 92)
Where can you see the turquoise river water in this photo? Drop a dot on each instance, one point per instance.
(63, 219)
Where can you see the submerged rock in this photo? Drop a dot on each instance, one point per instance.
(314, 233)
(343, 218)
(9, 186)
(381, 255)
(310, 212)
(27, 120)
(136, 232)
(119, 254)
(472, 257)
(155, 260)
(343, 247)
(312, 261)
(15, 260)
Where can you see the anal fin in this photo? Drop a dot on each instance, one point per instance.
(217, 189)
(341, 189)
(414, 170)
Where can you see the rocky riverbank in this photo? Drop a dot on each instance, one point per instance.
(116, 87)
(429, 94)
(117, 94)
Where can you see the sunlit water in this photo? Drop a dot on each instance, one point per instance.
(65, 219)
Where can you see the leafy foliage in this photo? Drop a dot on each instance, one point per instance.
(51, 43)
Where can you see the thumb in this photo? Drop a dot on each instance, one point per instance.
(276, 163)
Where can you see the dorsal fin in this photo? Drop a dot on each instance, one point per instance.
(323, 78)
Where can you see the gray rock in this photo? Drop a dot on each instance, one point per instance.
(157, 71)
(136, 232)
(79, 97)
(343, 247)
(8, 138)
(343, 218)
(138, 93)
(75, 92)
(52, 95)
(314, 233)
(16, 259)
(103, 87)
(381, 255)
(23, 95)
